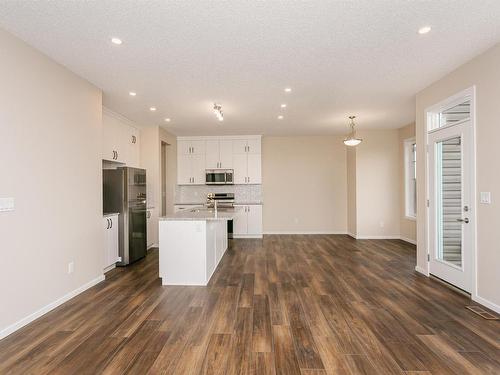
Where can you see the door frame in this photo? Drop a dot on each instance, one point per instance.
(430, 114)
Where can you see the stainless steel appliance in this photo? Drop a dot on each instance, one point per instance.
(225, 201)
(124, 191)
(219, 176)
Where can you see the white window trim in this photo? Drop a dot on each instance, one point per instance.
(407, 144)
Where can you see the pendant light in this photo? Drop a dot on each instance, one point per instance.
(351, 139)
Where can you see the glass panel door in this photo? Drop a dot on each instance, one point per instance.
(449, 200)
(450, 214)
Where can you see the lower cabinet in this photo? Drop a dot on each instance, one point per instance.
(247, 221)
(111, 256)
(152, 227)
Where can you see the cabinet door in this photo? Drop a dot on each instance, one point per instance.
(111, 137)
(183, 147)
(254, 172)
(107, 243)
(184, 169)
(254, 217)
(240, 168)
(226, 154)
(239, 146)
(198, 168)
(134, 148)
(198, 147)
(240, 221)
(113, 232)
(253, 146)
(212, 154)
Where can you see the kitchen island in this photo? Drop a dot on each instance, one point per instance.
(192, 243)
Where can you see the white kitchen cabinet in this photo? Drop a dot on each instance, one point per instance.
(247, 221)
(254, 169)
(240, 153)
(254, 219)
(152, 227)
(240, 221)
(111, 256)
(247, 161)
(189, 146)
(219, 154)
(240, 167)
(120, 140)
(191, 169)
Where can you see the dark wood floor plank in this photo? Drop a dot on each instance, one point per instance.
(310, 305)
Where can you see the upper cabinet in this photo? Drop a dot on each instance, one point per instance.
(120, 140)
(247, 161)
(240, 153)
(219, 154)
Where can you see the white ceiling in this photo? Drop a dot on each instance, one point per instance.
(339, 57)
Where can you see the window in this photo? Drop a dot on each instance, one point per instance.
(410, 148)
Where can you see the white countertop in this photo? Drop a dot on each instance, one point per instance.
(200, 214)
(203, 203)
(110, 214)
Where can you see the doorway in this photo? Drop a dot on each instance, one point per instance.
(451, 191)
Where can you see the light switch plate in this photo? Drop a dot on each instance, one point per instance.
(485, 197)
(6, 204)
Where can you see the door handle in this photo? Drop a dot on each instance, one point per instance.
(466, 220)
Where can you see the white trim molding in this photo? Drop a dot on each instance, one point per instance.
(409, 240)
(44, 310)
(421, 270)
(483, 301)
(305, 232)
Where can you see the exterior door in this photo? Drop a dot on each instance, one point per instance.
(451, 219)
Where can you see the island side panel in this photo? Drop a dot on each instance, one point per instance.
(182, 252)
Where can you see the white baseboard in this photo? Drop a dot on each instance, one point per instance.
(352, 235)
(377, 237)
(409, 240)
(304, 232)
(247, 236)
(490, 305)
(44, 310)
(421, 270)
(109, 268)
(152, 245)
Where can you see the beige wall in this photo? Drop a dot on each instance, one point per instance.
(377, 184)
(351, 192)
(304, 184)
(484, 73)
(151, 139)
(50, 126)
(407, 227)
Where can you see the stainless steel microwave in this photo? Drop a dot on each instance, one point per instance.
(219, 177)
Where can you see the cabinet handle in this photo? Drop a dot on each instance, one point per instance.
(108, 223)
(248, 179)
(111, 221)
(248, 148)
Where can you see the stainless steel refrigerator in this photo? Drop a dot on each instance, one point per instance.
(124, 191)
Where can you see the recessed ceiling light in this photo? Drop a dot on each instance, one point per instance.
(167, 120)
(280, 117)
(152, 109)
(131, 93)
(283, 106)
(424, 29)
(288, 89)
(116, 41)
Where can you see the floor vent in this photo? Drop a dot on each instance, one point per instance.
(482, 312)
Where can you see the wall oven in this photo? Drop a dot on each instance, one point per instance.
(219, 177)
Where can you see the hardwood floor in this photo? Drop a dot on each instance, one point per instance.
(307, 305)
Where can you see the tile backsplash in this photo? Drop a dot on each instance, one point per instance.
(185, 194)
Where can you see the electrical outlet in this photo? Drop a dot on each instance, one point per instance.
(6, 204)
(485, 197)
(71, 267)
